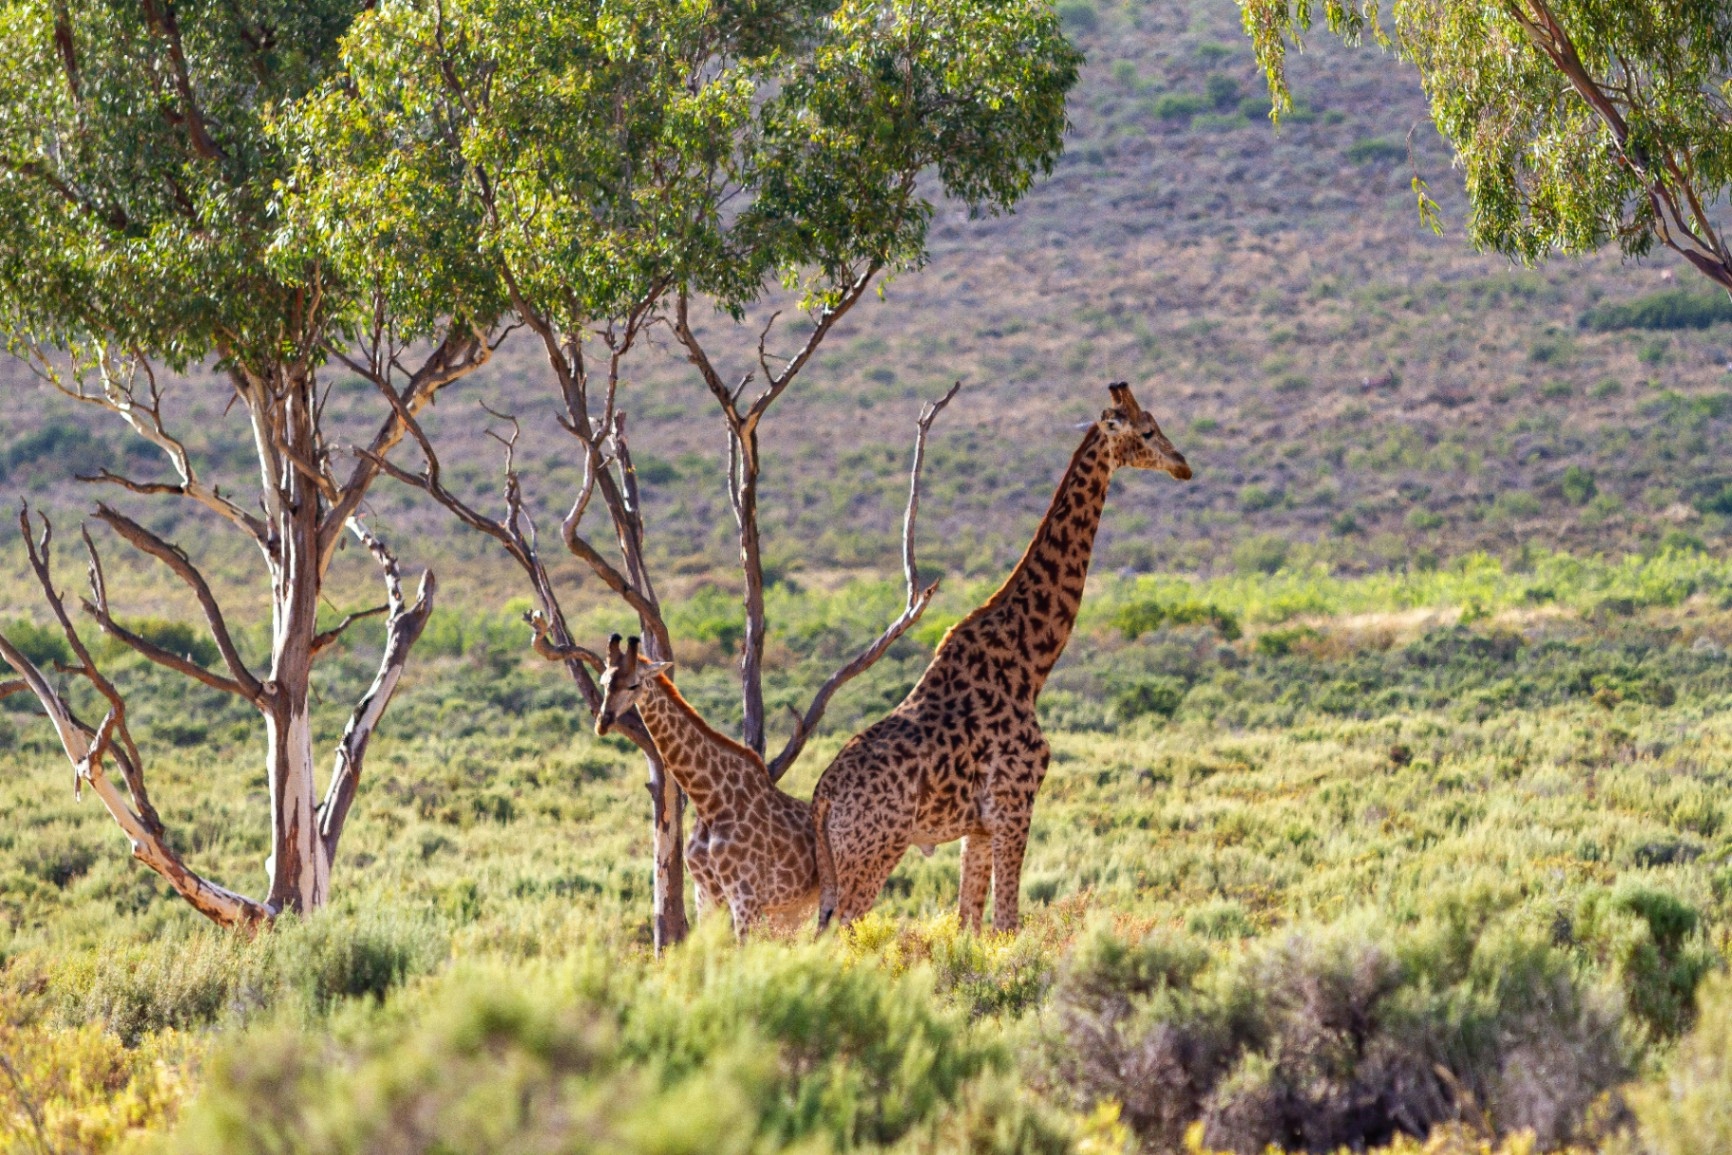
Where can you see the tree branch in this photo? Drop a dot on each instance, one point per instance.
(327, 638)
(144, 416)
(86, 748)
(403, 625)
(918, 598)
(460, 353)
(243, 682)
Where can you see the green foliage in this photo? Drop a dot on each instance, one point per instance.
(1670, 309)
(1568, 137)
(1263, 554)
(1650, 941)
(719, 1049)
(1684, 1112)
(1144, 615)
(1158, 696)
(1222, 90)
(1079, 15)
(810, 125)
(140, 195)
(1179, 105)
(1377, 150)
(43, 645)
(181, 639)
(1578, 485)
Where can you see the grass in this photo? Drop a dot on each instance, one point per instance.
(1421, 774)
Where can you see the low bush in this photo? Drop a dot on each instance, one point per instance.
(1687, 1108)
(1671, 309)
(716, 1049)
(81, 1088)
(1335, 1037)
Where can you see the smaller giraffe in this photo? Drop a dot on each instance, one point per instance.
(753, 848)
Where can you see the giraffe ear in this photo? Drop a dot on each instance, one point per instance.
(653, 669)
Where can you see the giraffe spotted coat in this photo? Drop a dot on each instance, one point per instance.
(963, 755)
(752, 847)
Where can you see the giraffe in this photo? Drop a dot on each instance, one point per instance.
(963, 755)
(752, 846)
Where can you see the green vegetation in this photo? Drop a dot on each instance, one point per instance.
(1672, 309)
(1456, 818)
(1573, 129)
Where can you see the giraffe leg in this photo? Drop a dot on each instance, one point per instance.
(702, 869)
(743, 905)
(1009, 841)
(860, 880)
(976, 877)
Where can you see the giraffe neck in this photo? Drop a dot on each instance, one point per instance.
(705, 763)
(1038, 603)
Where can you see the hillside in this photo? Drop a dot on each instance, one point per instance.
(1349, 387)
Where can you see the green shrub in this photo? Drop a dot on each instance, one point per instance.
(1578, 485)
(716, 1049)
(1222, 90)
(43, 645)
(182, 639)
(1264, 554)
(1158, 695)
(1078, 16)
(1332, 1038)
(331, 958)
(1648, 940)
(1686, 1109)
(1377, 150)
(1146, 615)
(1668, 309)
(1179, 106)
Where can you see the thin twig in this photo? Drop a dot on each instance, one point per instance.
(918, 598)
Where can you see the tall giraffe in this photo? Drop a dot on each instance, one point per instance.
(752, 848)
(963, 755)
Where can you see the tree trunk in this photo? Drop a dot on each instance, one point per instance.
(300, 871)
(669, 925)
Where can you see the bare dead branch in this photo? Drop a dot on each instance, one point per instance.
(120, 395)
(86, 747)
(553, 651)
(243, 682)
(460, 353)
(918, 598)
(13, 686)
(325, 639)
(403, 625)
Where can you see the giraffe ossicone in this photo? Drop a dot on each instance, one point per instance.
(752, 847)
(963, 755)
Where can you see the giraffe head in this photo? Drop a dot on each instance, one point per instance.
(622, 681)
(1134, 440)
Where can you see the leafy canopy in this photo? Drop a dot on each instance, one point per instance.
(1578, 122)
(139, 182)
(489, 154)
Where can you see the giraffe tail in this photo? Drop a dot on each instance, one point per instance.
(826, 864)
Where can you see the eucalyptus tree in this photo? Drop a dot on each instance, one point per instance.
(1578, 123)
(606, 169)
(143, 183)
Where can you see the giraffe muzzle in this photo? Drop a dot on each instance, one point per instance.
(603, 723)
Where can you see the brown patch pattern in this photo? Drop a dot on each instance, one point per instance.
(752, 847)
(963, 755)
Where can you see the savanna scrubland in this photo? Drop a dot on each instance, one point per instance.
(1390, 757)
